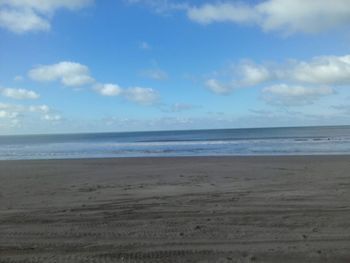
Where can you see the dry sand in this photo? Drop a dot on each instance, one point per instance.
(215, 209)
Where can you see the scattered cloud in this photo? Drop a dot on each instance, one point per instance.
(46, 7)
(253, 74)
(39, 108)
(18, 78)
(283, 94)
(178, 107)
(20, 21)
(139, 95)
(75, 74)
(21, 16)
(68, 73)
(53, 117)
(289, 84)
(13, 115)
(143, 96)
(161, 6)
(286, 16)
(223, 12)
(155, 74)
(219, 88)
(322, 70)
(46, 112)
(108, 89)
(145, 46)
(19, 94)
(8, 111)
(245, 74)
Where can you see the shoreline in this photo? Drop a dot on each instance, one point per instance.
(176, 209)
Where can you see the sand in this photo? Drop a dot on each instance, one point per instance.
(208, 209)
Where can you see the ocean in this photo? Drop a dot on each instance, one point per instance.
(223, 142)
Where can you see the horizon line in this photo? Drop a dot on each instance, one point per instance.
(180, 130)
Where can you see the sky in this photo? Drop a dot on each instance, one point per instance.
(70, 66)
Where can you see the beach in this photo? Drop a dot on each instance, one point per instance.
(183, 209)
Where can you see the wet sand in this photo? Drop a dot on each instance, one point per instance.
(208, 209)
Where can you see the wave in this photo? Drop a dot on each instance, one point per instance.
(141, 146)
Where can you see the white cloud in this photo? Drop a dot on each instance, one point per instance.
(18, 94)
(4, 106)
(47, 7)
(45, 112)
(10, 115)
(321, 71)
(39, 108)
(287, 16)
(68, 73)
(215, 86)
(8, 119)
(252, 74)
(20, 21)
(108, 89)
(74, 74)
(20, 16)
(139, 95)
(156, 74)
(283, 94)
(7, 114)
(13, 115)
(306, 16)
(77, 80)
(294, 83)
(143, 96)
(223, 12)
(246, 74)
(53, 117)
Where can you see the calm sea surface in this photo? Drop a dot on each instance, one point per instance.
(261, 141)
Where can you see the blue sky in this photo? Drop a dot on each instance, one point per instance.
(88, 66)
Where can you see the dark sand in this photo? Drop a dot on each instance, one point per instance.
(227, 209)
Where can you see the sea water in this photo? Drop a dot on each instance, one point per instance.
(223, 142)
